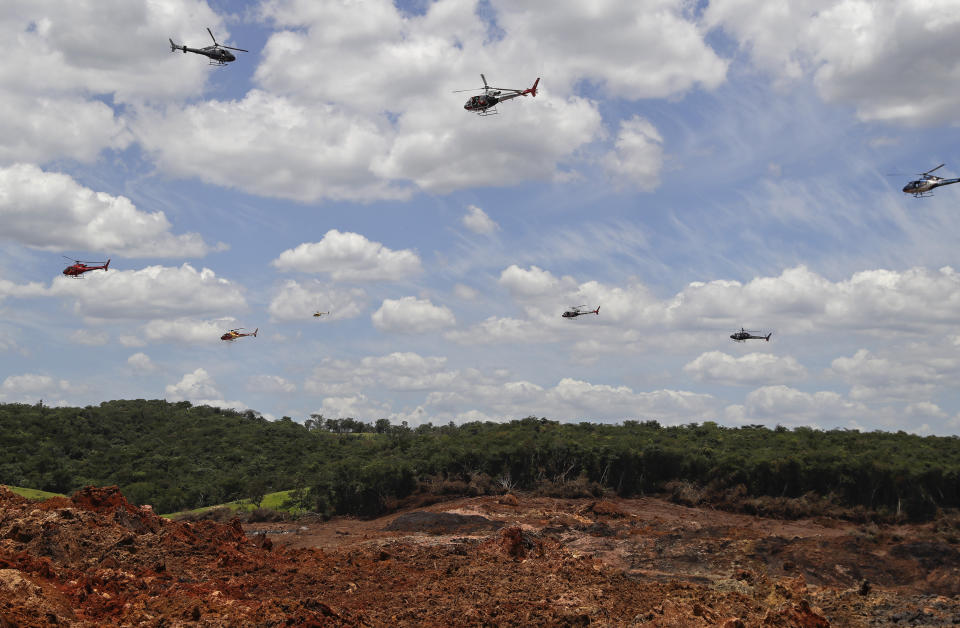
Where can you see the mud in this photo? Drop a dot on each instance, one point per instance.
(96, 560)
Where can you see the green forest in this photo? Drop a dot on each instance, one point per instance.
(175, 456)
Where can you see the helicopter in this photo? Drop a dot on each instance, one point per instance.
(577, 310)
(319, 314)
(486, 104)
(217, 53)
(744, 335)
(78, 267)
(922, 187)
(233, 334)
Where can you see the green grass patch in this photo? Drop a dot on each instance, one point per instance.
(34, 494)
(271, 501)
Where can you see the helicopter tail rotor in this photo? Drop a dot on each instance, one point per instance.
(533, 90)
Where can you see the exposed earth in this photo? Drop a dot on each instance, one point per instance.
(96, 560)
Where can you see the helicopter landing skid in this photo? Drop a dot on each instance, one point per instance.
(489, 111)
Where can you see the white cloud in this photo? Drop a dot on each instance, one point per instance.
(296, 301)
(193, 386)
(153, 291)
(410, 315)
(271, 384)
(789, 406)
(748, 370)
(371, 136)
(89, 337)
(45, 128)
(272, 147)
(852, 48)
(10, 289)
(200, 389)
(465, 292)
(141, 363)
(638, 154)
(396, 371)
(458, 394)
(187, 331)
(29, 386)
(350, 257)
(913, 377)
(59, 56)
(478, 221)
(51, 211)
(533, 282)
(633, 50)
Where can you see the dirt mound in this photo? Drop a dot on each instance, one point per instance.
(441, 523)
(97, 560)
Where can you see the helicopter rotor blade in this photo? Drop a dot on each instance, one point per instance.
(232, 48)
(475, 89)
(212, 37)
(485, 86)
(932, 169)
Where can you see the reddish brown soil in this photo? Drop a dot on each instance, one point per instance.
(96, 560)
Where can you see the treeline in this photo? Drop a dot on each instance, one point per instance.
(176, 456)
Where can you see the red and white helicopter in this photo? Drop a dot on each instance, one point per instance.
(78, 267)
(486, 103)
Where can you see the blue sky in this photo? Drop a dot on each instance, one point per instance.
(690, 168)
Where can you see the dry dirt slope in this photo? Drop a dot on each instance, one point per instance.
(96, 560)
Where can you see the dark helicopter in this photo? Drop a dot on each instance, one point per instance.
(922, 187)
(743, 335)
(218, 54)
(486, 104)
(577, 310)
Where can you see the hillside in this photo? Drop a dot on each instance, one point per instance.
(177, 457)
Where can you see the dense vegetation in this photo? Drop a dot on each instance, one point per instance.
(176, 456)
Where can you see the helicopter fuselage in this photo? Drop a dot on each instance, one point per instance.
(922, 186)
(482, 102)
(217, 54)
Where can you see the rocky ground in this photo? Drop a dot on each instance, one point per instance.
(97, 560)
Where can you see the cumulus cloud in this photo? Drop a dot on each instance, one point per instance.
(534, 281)
(58, 57)
(478, 221)
(852, 48)
(153, 291)
(304, 152)
(89, 337)
(410, 315)
(32, 289)
(350, 257)
(296, 301)
(51, 211)
(31, 386)
(141, 363)
(638, 154)
(200, 389)
(748, 370)
(877, 378)
(187, 331)
(467, 393)
(271, 384)
(789, 406)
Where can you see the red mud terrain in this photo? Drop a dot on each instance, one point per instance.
(96, 560)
